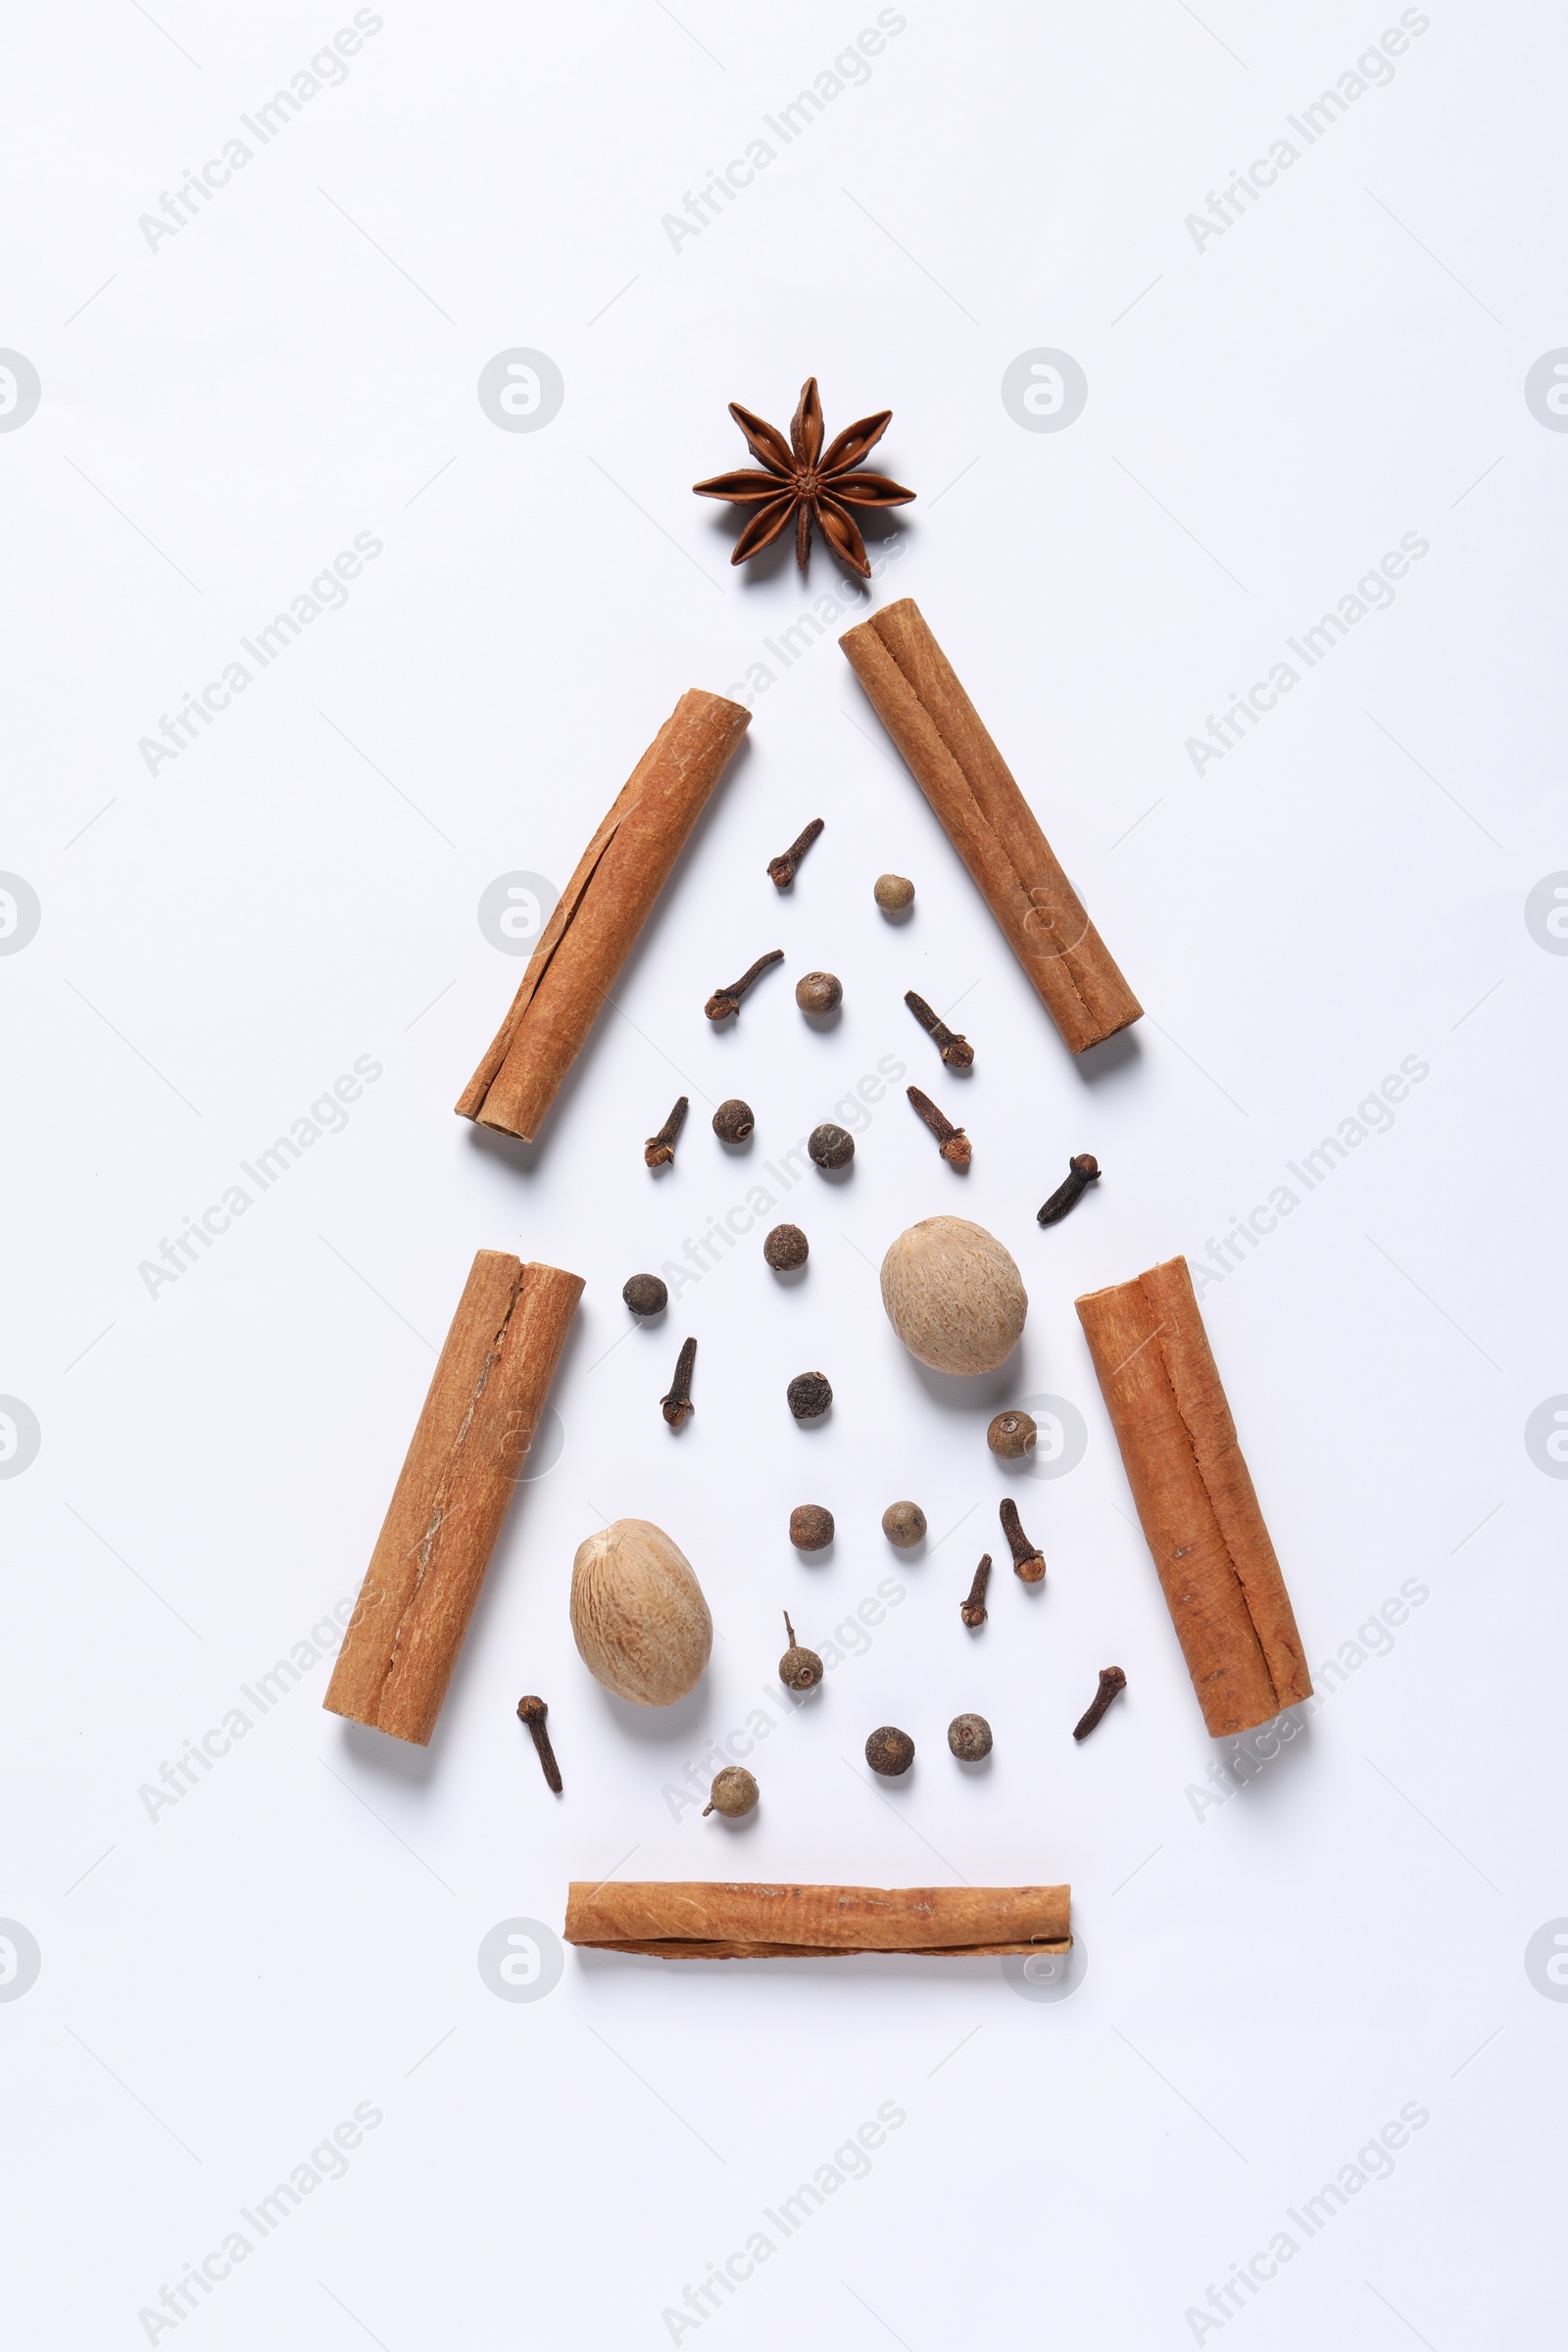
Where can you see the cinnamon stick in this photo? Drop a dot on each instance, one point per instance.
(468, 1446)
(1195, 1499)
(992, 826)
(696, 1920)
(602, 910)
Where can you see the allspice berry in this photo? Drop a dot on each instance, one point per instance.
(1011, 1436)
(819, 993)
(890, 1751)
(893, 894)
(799, 1669)
(903, 1524)
(734, 1792)
(810, 1394)
(733, 1121)
(811, 1527)
(831, 1147)
(646, 1295)
(786, 1247)
(969, 1738)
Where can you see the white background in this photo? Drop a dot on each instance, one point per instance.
(1269, 1980)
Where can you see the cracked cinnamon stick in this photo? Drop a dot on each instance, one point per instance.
(919, 701)
(699, 1920)
(471, 1440)
(602, 910)
(1195, 1496)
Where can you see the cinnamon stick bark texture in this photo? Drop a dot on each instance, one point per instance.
(468, 1447)
(696, 1920)
(992, 826)
(602, 910)
(1195, 1496)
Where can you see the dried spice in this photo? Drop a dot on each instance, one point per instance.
(677, 1407)
(1083, 1170)
(646, 1295)
(890, 1751)
(802, 483)
(733, 1121)
(831, 1147)
(783, 869)
(799, 1669)
(1027, 1562)
(638, 1616)
(786, 1247)
(903, 1524)
(726, 1001)
(969, 1738)
(811, 1527)
(956, 1050)
(820, 993)
(953, 1295)
(660, 1149)
(810, 1394)
(894, 892)
(973, 1610)
(1112, 1681)
(704, 1920)
(1011, 1436)
(953, 1143)
(533, 1712)
(734, 1793)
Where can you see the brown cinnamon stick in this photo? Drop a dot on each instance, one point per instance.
(695, 1920)
(1194, 1498)
(992, 826)
(468, 1450)
(602, 910)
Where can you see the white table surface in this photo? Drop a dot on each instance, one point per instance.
(1267, 1978)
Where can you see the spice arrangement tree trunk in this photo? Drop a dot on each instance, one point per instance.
(468, 1452)
(701, 1920)
(1195, 1496)
(602, 910)
(919, 701)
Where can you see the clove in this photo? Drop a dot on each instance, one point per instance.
(677, 1407)
(956, 1050)
(1083, 1170)
(1027, 1561)
(533, 1712)
(783, 870)
(954, 1144)
(1111, 1679)
(726, 1001)
(973, 1610)
(660, 1149)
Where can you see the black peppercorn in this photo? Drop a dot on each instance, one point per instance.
(831, 1147)
(811, 1527)
(810, 1394)
(890, 1751)
(646, 1295)
(733, 1121)
(786, 1247)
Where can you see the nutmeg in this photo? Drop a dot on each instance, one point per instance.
(953, 1295)
(638, 1615)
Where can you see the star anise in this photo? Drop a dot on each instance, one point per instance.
(804, 481)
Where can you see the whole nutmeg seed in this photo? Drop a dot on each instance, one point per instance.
(969, 1738)
(903, 1524)
(734, 1793)
(733, 1121)
(1011, 1436)
(799, 1669)
(645, 1295)
(953, 1295)
(831, 1147)
(810, 1394)
(819, 993)
(893, 894)
(811, 1527)
(786, 1247)
(638, 1615)
(890, 1751)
